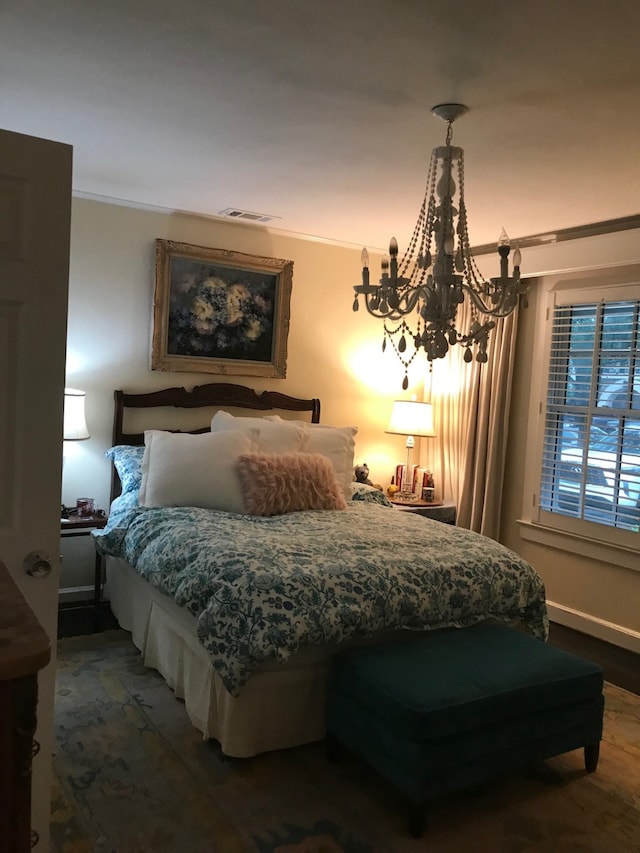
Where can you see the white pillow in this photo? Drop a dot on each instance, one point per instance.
(280, 437)
(336, 443)
(179, 469)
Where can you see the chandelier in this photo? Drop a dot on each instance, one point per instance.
(437, 272)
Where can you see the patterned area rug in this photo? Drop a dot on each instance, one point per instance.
(132, 775)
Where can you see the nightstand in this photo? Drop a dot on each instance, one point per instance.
(82, 526)
(445, 512)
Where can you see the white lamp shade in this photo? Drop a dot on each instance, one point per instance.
(409, 417)
(75, 425)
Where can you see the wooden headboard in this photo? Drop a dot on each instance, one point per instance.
(215, 394)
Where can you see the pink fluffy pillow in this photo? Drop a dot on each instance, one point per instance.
(273, 484)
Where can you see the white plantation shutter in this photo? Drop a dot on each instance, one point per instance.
(591, 447)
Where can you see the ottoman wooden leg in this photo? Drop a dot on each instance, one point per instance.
(591, 755)
(417, 816)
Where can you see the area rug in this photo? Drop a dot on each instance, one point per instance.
(131, 775)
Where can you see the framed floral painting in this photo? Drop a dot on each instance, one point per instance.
(217, 311)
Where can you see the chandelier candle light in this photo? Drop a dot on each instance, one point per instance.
(434, 285)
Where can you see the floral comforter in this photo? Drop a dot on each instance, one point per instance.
(265, 587)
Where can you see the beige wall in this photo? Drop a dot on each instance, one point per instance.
(333, 353)
(593, 595)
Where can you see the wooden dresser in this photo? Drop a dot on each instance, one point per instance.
(24, 650)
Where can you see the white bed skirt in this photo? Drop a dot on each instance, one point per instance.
(280, 706)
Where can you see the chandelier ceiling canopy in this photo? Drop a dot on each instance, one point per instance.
(437, 272)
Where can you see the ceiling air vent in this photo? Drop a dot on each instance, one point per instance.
(246, 215)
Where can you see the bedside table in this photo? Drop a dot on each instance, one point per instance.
(82, 526)
(445, 512)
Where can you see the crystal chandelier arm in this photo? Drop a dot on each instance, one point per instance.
(376, 301)
(506, 303)
(496, 297)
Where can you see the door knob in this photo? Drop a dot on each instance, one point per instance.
(37, 564)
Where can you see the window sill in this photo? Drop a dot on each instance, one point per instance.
(606, 552)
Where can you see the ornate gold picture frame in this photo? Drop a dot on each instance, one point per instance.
(218, 311)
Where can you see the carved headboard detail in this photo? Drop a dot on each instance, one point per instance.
(212, 395)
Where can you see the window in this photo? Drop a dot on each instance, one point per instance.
(590, 458)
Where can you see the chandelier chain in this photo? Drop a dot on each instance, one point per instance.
(449, 133)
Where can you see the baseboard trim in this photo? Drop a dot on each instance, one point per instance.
(617, 635)
(75, 594)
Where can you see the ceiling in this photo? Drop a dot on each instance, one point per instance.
(318, 113)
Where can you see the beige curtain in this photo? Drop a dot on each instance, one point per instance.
(471, 412)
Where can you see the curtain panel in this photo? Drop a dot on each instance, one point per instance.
(471, 412)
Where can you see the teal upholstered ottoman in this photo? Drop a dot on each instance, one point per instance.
(453, 708)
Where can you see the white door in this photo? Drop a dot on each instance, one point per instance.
(35, 212)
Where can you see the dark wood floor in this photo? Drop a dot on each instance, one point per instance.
(620, 666)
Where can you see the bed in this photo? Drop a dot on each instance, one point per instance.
(239, 596)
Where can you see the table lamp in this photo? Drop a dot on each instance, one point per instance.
(410, 418)
(74, 424)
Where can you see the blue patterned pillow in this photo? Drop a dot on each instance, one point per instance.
(128, 462)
